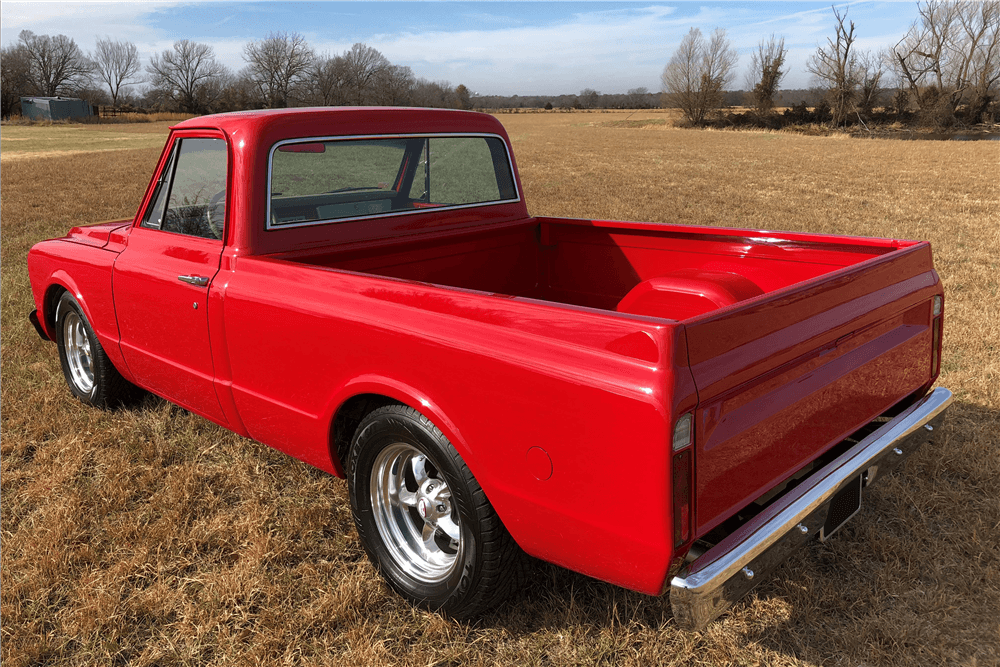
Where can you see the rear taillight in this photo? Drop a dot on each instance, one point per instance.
(937, 310)
(681, 478)
(682, 432)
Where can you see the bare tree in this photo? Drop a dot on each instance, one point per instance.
(985, 74)
(719, 66)
(393, 85)
(327, 83)
(364, 64)
(58, 66)
(681, 77)
(116, 64)
(871, 69)
(637, 98)
(463, 96)
(589, 98)
(238, 93)
(985, 70)
(835, 67)
(15, 78)
(188, 75)
(766, 73)
(276, 65)
(438, 94)
(697, 74)
(951, 55)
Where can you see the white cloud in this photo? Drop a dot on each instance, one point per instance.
(609, 50)
(85, 22)
(82, 20)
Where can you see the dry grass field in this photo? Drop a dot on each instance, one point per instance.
(150, 536)
(18, 142)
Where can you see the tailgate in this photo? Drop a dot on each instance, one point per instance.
(784, 377)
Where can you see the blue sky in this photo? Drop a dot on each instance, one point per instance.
(493, 48)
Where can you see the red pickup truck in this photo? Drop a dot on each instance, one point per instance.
(668, 408)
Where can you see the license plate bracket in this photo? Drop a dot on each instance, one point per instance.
(844, 505)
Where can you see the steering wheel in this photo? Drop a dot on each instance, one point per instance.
(216, 221)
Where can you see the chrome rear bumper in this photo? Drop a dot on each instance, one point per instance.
(730, 569)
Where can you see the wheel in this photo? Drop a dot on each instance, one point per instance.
(89, 373)
(424, 521)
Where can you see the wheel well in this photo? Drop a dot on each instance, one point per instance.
(349, 416)
(52, 296)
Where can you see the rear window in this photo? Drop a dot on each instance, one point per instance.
(313, 181)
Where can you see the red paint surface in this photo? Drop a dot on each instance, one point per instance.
(514, 335)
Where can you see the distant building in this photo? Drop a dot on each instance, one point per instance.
(54, 108)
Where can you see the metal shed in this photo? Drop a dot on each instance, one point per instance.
(54, 108)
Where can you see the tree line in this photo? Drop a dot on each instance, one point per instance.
(944, 71)
(280, 70)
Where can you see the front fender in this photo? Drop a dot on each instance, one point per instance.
(85, 272)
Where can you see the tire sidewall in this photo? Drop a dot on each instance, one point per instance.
(375, 434)
(67, 303)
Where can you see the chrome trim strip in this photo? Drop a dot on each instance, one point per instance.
(717, 579)
(456, 135)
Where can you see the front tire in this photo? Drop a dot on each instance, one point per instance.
(91, 376)
(424, 521)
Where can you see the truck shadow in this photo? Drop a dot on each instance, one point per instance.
(916, 574)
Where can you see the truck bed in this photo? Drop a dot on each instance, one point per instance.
(795, 341)
(608, 265)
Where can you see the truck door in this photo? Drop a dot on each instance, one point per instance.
(161, 279)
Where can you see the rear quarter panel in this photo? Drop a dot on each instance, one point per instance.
(498, 376)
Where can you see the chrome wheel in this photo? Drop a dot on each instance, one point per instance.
(412, 507)
(78, 353)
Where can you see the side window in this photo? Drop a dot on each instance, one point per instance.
(194, 190)
(154, 214)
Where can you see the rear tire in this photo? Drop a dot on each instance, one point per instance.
(424, 521)
(91, 376)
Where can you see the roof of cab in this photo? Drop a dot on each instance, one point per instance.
(345, 121)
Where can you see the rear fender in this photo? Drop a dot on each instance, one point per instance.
(402, 393)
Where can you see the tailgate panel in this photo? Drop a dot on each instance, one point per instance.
(783, 380)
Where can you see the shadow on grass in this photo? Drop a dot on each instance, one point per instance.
(903, 580)
(913, 579)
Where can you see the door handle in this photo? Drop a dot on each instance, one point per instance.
(200, 281)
